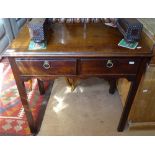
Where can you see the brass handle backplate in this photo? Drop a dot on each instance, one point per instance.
(109, 64)
(46, 65)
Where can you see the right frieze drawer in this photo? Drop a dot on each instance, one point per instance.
(109, 66)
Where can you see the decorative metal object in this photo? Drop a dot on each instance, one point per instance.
(131, 29)
(37, 29)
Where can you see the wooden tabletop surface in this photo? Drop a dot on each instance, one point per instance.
(77, 40)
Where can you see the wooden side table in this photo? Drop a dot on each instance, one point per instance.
(75, 52)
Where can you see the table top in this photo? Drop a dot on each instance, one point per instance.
(76, 40)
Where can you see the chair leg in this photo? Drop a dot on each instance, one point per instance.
(41, 87)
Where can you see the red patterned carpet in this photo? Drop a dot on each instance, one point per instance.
(12, 116)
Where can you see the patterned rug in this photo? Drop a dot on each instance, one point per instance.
(12, 117)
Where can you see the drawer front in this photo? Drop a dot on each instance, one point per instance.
(47, 66)
(109, 66)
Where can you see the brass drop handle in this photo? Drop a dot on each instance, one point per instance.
(109, 64)
(46, 64)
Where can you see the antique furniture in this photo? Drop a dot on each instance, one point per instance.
(142, 113)
(75, 51)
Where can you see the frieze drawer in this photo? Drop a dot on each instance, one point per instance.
(109, 66)
(46, 66)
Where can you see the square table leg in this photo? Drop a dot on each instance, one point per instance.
(23, 96)
(131, 95)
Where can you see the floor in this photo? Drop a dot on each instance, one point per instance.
(88, 110)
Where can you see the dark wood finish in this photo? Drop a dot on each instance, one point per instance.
(23, 96)
(41, 87)
(73, 40)
(43, 108)
(75, 51)
(142, 115)
(112, 86)
(153, 61)
(117, 66)
(53, 67)
(131, 95)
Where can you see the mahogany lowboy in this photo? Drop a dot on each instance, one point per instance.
(76, 51)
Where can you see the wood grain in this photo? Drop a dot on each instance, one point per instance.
(56, 67)
(67, 40)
